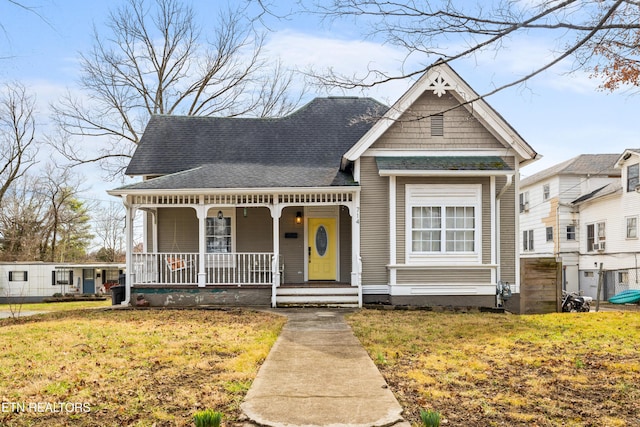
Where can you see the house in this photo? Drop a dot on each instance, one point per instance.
(609, 225)
(34, 281)
(585, 212)
(344, 201)
(549, 221)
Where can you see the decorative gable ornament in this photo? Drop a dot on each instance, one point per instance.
(439, 85)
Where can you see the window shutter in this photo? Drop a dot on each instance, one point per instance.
(71, 277)
(26, 278)
(11, 276)
(53, 278)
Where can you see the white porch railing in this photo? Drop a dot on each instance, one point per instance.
(220, 268)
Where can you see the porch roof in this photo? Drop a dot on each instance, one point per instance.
(391, 165)
(247, 175)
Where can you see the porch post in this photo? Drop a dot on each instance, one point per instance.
(276, 212)
(356, 261)
(201, 212)
(130, 275)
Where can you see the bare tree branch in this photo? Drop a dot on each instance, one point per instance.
(156, 60)
(18, 146)
(449, 31)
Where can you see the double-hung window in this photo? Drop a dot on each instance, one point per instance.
(443, 223)
(527, 240)
(632, 227)
(219, 238)
(633, 177)
(596, 237)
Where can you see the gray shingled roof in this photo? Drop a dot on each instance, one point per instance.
(247, 175)
(302, 149)
(600, 192)
(592, 164)
(443, 163)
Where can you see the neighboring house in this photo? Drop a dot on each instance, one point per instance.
(585, 212)
(341, 202)
(35, 281)
(609, 225)
(549, 223)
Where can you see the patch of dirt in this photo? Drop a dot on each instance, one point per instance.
(526, 396)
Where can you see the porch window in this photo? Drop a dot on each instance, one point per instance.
(443, 222)
(219, 234)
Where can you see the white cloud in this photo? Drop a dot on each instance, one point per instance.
(346, 57)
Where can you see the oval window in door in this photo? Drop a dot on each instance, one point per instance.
(322, 240)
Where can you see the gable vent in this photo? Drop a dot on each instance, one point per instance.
(437, 125)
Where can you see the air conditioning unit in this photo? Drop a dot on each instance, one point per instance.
(600, 246)
(525, 207)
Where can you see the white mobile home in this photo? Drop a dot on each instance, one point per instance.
(34, 281)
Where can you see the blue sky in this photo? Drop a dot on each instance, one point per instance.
(559, 115)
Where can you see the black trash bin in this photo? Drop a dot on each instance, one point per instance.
(117, 294)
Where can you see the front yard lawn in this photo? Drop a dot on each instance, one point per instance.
(570, 369)
(135, 368)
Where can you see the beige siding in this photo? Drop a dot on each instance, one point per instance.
(345, 245)
(400, 210)
(292, 249)
(177, 230)
(149, 230)
(374, 223)
(443, 276)
(413, 130)
(254, 233)
(508, 234)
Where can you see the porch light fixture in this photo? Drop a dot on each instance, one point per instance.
(298, 217)
(220, 215)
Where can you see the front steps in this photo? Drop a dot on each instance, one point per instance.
(317, 295)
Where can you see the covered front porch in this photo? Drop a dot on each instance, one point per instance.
(245, 243)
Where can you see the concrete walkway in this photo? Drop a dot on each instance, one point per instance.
(318, 374)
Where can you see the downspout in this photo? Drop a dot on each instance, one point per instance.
(504, 189)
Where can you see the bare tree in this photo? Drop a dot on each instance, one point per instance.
(109, 228)
(18, 146)
(449, 30)
(66, 230)
(156, 60)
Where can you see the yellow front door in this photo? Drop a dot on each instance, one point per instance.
(322, 249)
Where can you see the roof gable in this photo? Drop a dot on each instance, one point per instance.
(628, 153)
(440, 79)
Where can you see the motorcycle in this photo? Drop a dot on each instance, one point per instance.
(572, 302)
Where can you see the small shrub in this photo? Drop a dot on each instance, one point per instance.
(430, 418)
(57, 295)
(207, 418)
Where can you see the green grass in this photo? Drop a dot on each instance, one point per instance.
(493, 370)
(132, 367)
